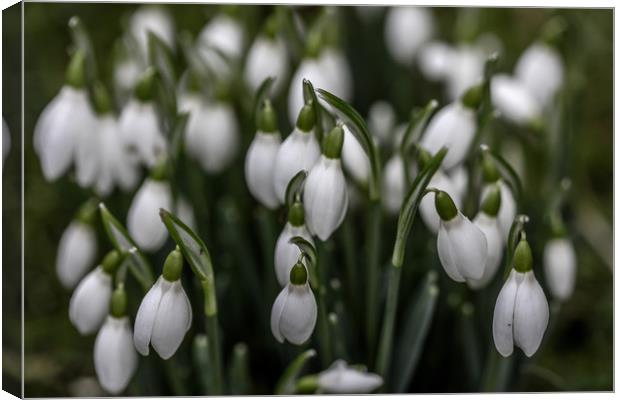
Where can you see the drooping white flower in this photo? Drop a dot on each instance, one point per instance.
(381, 121)
(514, 100)
(460, 180)
(521, 314)
(114, 355)
(340, 378)
(222, 34)
(435, 60)
(354, 158)
(152, 19)
(143, 222)
(267, 57)
(76, 253)
(286, 253)
(127, 73)
(6, 140)
(489, 226)
(90, 301)
(140, 132)
(560, 263)
(394, 183)
(294, 312)
(507, 209)
(427, 209)
(541, 70)
(164, 316)
(325, 197)
(453, 126)
(406, 30)
(461, 245)
(467, 68)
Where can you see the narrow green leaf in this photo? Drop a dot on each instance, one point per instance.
(160, 56)
(261, 94)
(82, 41)
(195, 63)
(310, 95)
(287, 382)
(178, 135)
(509, 174)
(358, 127)
(295, 187)
(312, 256)
(419, 316)
(414, 130)
(410, 205)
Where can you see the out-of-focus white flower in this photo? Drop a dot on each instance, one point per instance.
(65, 125)
(114, 355)
(267, 58)
(521, 314)
(287, 254)
(151, 19)
(453, 126)
(6, 140)
(90, 301)
(560, 267)
(514, 100)
(143, 221)
(429, 215)
(460, 180)
(140, 132)
(394, 184)
(127, 73)
(164, 316)
(76, 253)
(381, 120)
(185, 212)
(466, 70)
(340, 378)
(294, 312)
(435, 60)
(406, 30)
(541, 70)
(495, 243)
(212, 135)
(354, 158)
(507, 209)
(222, 34)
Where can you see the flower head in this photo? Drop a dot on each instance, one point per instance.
(354, 158)
(541, 70)
(151, 19)
(560, 263)
(143, 220)
(406, 30)
(340, 378)
(115, 356)
(514, 100)
(286, 253)
(76, 252)
(267, 57)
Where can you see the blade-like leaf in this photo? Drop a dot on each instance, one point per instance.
(310, 95)
(414, 130)
(419, 317)
(160, 56)
(356, 124)
(178, 135)
(286, 384)
(295, 187)
(261, 94)
(311, 254)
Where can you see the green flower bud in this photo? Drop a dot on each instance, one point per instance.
(314, 43)
(160, 170)
(173, 266)
(271, 26)
(558, 229)
(445, 206)
(472, 97)
(296, 214)
(145, 89)
(299, 275)
(118, 304)
(305, 120)
(267, 118)
(424, 157)
(332, 143)
(76, 71)
(492, 202)
(490, 173)
(523, 256)
(88, 212)
(103, 104)
(110, 262)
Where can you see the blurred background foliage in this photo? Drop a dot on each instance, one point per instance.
(577, 351)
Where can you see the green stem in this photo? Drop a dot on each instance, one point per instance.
(351, 285)
(215, 356)
(268, 244)
(372, 275)
(324, 337)
(387, 331)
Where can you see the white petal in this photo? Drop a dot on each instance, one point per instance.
(259, 167)
(531, 315)
(90, 301)
(444, 249)
(468, 245)
(151, 19)
(495, 244)
(435, 60)
(381, 120)
(173, 319)
(76, 253)
(276, 313)
(114, 355)
(394, 184)
(143, 221)
(541, 70)
(354, 157)
(299, 314)
(340, 378)
(266, 58)
(466, 69)
(145, 317)
(514, 100)
(503, 315)
(560, 267)
(507, 209)
(406, 29)
(141, 134)
(287, 254)
(225, 34)
(427, 209)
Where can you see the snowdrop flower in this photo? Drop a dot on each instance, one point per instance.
(354, 158)
(508, 207)
(521, 312)
(165, 314)
(139, 126)
(487, 222)
(395, 184)
(560, 267)
(222, 34)
(460, 180)
(299, 151)
(287, 253)
(261, 156)
(294, 312)
(152, 19)
(381, 120)
(541, 70)
(406, 30)
(90, 301)
(66, 123)
(6, 140)
(143, 222)
(325, 191)
(453, 126)
(127, 72)
(514, 100)
(212, 136)
(340, 378)
(76, 252)
(461, 245)
(467, 69)
(435, 60)
(267, 57)
(115, 357)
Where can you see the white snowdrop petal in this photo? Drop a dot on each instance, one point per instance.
(560, 267)
(381, 120)
(503, 316)
(266, 58)
(490, 228)
(114, 355)
(76, 253)
(466, 70)
(435, 60)
(340, 378)
(172, 320)
(531, 315)
(394, 184)
(541, 70)
(286, 253)
(151, 19)
(513, 100)
(90, 301)
(354, 158)
(444, 249)
(143, 221)
(469, 246)
(299, 314)
(145, 317)
(429, 215)
(259, 167)
(141, 134)
(406, 29)
(276, 313)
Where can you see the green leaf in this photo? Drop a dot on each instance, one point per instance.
(419, 316)
(160, 56)
(139, 266)
(261, 94)
(287, 382)
(311, 254)
(410, 205)
(358, 127)
(310, 95)
(295, 187)
(414, 130)
(82, 41)
(195, 63)
(177, 135)
(509, 174)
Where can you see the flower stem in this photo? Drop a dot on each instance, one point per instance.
(324, 336)
(387, 331)
(268, 244)
(372, 275)
(213, 337)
